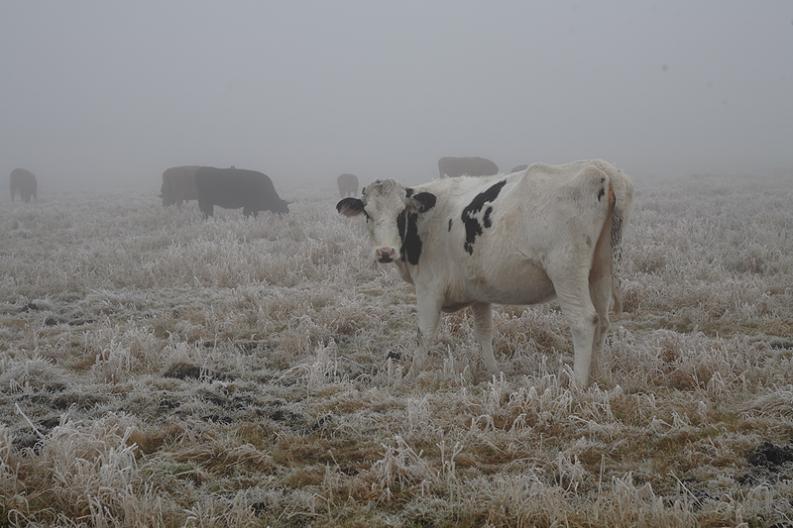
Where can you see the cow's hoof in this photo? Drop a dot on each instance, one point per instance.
(579, 383)
(494, 374)
(394, 356)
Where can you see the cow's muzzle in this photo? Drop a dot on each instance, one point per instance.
(385, 254)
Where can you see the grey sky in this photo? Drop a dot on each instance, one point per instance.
(116, 91)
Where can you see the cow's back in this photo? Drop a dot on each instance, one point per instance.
(23, 178)
(235, 188)
(466, 166)
(485, 232)
(221, 187)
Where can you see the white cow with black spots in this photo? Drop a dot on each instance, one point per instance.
(552, 231)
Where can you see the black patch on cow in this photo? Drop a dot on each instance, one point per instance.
(409, 235)
(426, 201)
(408, 192)
(601, 192)
(486, 219)
(450, 224)
(472, 226)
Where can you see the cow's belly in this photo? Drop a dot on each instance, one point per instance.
(523, 283)
(228, 202)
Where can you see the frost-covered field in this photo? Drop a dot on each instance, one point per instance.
(156, 369)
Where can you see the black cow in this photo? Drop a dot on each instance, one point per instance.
(235, 188)
(348, 185)
(451, 167)
(23, 182)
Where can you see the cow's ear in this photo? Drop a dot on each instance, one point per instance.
(350, 207)
(422, 201)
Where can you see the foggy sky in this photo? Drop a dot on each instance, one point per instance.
(114, 92)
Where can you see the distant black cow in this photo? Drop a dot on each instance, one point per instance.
(178, 185)
(235, 188)
(518, 168)
(348, 185)
(23, 182)
(450, 167)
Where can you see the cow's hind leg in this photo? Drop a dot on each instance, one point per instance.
(572, 291)
(429, 313)
(483, 328)
(600, 290)
(206, 208)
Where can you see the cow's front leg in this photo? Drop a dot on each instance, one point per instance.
(428, 312)
(483, 328)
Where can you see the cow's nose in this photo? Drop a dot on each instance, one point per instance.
(385, 254)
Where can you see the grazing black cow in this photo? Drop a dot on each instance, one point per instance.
(348, 185)
(23, 182)
(178, 185)
(235, 188)
(451, 167)
(518, 168)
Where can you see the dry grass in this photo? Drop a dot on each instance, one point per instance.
(157, 370)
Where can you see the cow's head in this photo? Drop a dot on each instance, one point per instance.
(281, 206)
(382, 203)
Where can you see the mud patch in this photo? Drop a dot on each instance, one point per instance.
(183, 371)
(770, 456)
(79, 399)
(768, 463)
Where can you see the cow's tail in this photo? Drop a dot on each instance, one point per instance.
(620, 202)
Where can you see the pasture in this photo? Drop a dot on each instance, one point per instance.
(159, 370)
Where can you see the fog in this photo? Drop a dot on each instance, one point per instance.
(108, 94)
